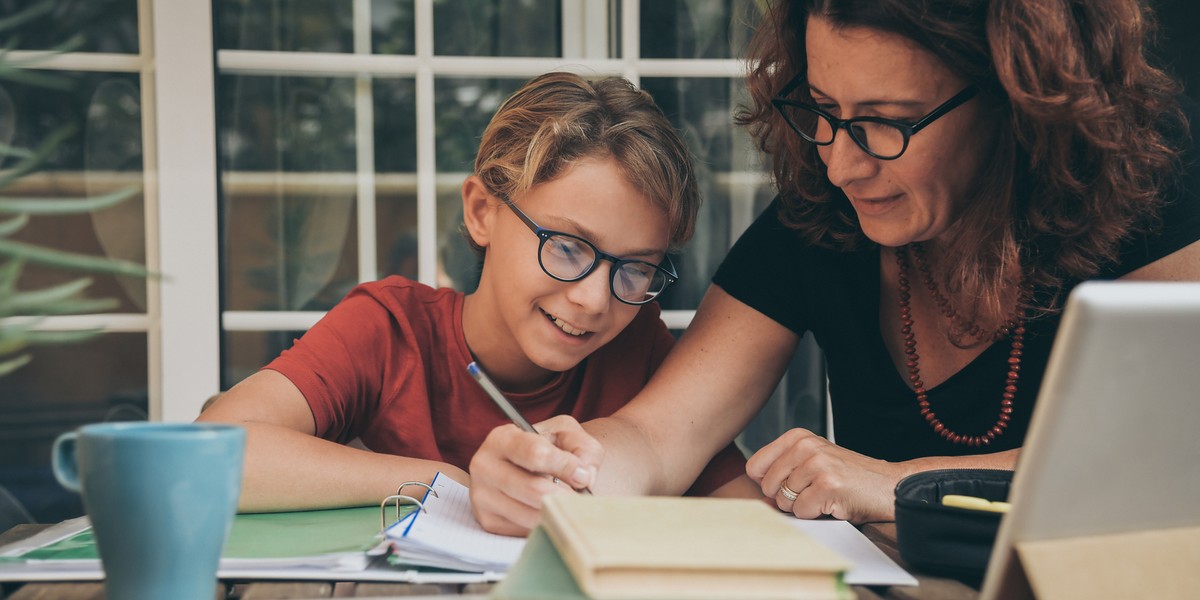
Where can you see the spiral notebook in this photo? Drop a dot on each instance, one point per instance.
(444, 534)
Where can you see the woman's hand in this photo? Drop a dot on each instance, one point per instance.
(514, 469)
(826, 479)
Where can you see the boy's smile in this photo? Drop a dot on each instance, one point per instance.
(563, 325)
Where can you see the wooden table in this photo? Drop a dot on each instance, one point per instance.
(882, 534)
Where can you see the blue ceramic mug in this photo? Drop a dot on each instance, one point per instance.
(161, 498)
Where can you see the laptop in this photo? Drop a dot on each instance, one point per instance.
(1106, 494)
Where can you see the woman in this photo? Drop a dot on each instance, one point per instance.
(948, 171)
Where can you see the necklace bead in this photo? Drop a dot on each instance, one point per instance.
(1014, 327)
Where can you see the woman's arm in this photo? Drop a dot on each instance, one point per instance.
(711, 384)
(288, 468)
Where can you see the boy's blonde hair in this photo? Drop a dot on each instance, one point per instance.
(558, 118)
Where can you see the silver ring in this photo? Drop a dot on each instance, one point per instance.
(555, 480)
(787, 492)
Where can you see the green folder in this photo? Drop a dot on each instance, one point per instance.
(287, 535)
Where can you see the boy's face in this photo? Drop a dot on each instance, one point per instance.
(524, 325)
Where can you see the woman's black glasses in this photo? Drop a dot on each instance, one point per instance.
(567, 257)
(885, 139)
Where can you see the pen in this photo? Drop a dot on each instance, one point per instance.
(973, 503)
(510, 411)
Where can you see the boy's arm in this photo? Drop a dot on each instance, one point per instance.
(288, 468)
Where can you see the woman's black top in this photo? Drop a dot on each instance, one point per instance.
(835, 296)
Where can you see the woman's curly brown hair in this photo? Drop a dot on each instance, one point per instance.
(1082, 150)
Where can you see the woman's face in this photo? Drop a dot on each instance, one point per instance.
(860, 72)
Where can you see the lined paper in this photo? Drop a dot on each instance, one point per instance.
(446, 533)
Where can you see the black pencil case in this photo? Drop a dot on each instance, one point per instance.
(947, 540)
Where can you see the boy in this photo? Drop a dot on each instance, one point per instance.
(579, 191)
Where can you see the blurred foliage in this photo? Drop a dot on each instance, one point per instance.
(17, 335)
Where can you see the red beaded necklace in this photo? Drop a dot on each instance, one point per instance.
(1014, 326)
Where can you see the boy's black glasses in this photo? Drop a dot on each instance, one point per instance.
(567, 257)
(885, 139)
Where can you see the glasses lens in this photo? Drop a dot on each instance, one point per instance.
(638, 282)
(810, 125)
(881, 139)
(566, 257)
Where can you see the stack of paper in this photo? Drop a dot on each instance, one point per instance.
(446, 535)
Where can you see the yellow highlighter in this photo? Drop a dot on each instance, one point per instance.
(974, 503)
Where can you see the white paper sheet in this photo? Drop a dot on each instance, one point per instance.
(871, 565)
(447, 534)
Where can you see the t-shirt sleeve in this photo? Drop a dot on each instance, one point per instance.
(336, 365)
(761, 270)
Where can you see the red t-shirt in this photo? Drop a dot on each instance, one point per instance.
(388, 366)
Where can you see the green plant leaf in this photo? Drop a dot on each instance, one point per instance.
(63, 299)
(30, 337)
(24, 16)
(58, 206)
(13, 151)
(74, 306)
(69, 260)
(13, 345)
(47, 147)
(11, 365)
(23, 75)
(14, 225)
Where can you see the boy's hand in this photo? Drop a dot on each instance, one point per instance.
(514, 469)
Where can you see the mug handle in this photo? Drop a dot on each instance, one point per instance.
(62, 458)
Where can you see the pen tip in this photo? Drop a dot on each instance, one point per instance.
(472, 369)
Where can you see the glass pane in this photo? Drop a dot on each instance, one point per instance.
(396, 226)
(464, 108)
(286, 249)
(287, 156)
(102, 155)
(296, 124)
(248, 351)
(103, 379)
(458, 266)
(729, 172)
(697, 28)
(103, 25)
(395, 104)
(285, 25)
(395, 177)
(497, 28)
(393, 27)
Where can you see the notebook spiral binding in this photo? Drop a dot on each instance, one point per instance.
(398, 499)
